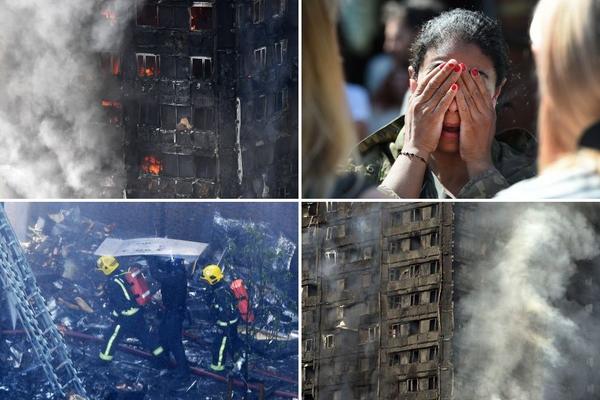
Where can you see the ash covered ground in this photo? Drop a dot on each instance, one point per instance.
(256, 243)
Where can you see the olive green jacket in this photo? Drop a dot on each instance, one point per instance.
(513, 156)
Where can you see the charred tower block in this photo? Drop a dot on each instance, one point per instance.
(209, 93)
(377, 301)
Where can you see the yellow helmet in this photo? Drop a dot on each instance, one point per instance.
(107, 264)
(212, 274)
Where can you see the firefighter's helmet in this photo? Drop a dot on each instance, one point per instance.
(107, 264)
(212, 274)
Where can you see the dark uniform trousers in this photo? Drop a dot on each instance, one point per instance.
(227, 341)
(129, 326)
(171, 331)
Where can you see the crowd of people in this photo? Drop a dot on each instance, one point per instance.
(437, 92)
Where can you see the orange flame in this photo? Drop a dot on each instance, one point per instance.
(110, 16)
(111, 104)
(152, 165)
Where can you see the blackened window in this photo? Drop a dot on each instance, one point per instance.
(175, 117)
(147, 15)
(412, 385)
(432, 382)
(148, 114)
(413, 327)
(280, 7)
(201, 15)
(258, 11)
(206, 167)
(202, 67)
(433, 325)
(204, 118)
(433, 353)
(394, 301)
(110, 63)
(148, 65)
(433, 296)
(260, 57)
(415, 243)
(415, 299)
(414, 356)
(281, 51)
(394, 359)
(260, 108)
(281, 100)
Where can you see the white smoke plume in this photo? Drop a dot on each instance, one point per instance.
(528, 329)
(51, 144)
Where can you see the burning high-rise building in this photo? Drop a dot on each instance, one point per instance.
(206, 94)
(445, 301)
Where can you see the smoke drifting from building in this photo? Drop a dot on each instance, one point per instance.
(527, 328)
(54, 141)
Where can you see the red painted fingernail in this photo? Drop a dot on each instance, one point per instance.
(454, 87)
(458, 68)
(463, 67)
(450, 66)
(474, 72)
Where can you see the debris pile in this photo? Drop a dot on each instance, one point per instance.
(60, 248)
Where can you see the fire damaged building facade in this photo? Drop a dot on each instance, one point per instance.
(206, 95)
(377, 301)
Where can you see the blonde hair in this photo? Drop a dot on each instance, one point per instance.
(565, 39)
(328, 133)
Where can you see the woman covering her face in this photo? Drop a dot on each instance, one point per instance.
(446, 145)
(565, 37)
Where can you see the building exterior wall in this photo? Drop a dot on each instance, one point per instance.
(218, 116)
(377, 300)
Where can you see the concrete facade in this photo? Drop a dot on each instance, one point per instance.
(377, 300)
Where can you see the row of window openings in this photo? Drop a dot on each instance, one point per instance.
(417, 385)
(201, 67)
(413, 356)
(415, 242)
(341, 231)
(414, 271)
(350, 255)
(201, 14)
(418, 214)
(398, 301)
(404, 329)
(202, 118)
(179, 165)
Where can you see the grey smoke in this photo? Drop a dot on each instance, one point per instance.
(51, 144)
(529, 329)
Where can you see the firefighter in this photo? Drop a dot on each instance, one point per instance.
(128, 317)
(223, 307)
(173, 285)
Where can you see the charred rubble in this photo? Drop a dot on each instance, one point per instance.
(205, 93)
(60, 247)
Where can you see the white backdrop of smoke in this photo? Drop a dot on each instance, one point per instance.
(51, 144)
(523, 337)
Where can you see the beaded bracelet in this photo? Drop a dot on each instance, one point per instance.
(413, 155)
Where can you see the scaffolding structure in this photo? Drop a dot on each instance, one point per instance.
(19, 284)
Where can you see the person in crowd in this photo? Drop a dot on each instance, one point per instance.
(446, 146)
(565, 38)
(387, 74)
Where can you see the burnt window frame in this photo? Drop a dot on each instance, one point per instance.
(143, 5)
(145, 57)
(281, 49)
(258, 11)
(209, 116)
(280, 8)
(260, 61)
(178, 117)
(143, 110)
(202, 4)
(204, 60)
(282, 101)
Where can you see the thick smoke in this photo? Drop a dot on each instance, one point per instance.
(528, 328)
(52, 141)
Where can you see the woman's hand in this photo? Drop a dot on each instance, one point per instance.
(477, 123)
(427, 107)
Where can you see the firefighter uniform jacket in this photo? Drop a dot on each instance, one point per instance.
(224, 305)
(120, 299)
